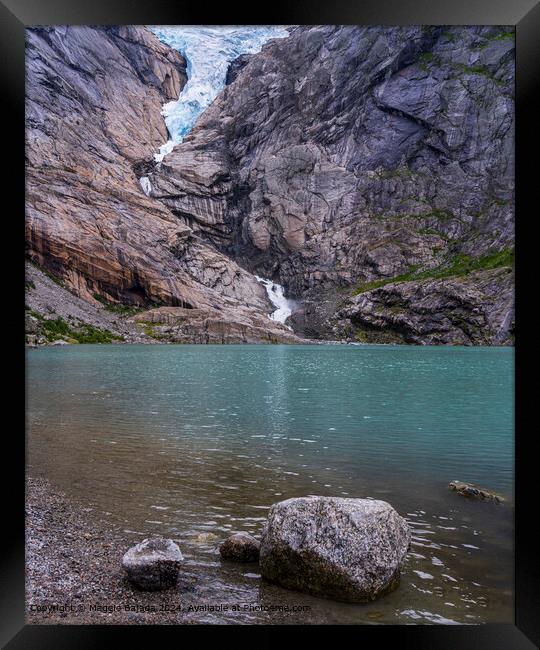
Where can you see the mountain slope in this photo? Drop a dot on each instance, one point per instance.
(345, 155)
(94, 97)
(369, 170)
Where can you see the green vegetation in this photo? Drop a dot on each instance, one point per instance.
(376, 284)
(366, 334)
(117, 308)
(398, 172)
(90, 334)
(502, 36)
(360, 336)
(149, 330)
(431, 231)
(58, 328)
(55, 329)
(29, 284)
(458, 266)
(425, 59)
(464, 264)
(124, 310)
(439, 214)
(477, 69)
(473, 69)
(52, 277)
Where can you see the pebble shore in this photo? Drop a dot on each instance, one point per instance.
(74, 575)
(73, 568)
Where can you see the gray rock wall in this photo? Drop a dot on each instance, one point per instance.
(93, 123)
(342, 155)
(333, 159)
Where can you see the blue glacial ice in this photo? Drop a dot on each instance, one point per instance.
(208, 52)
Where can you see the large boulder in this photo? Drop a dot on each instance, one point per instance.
(240, 547)
(346, 549)
(153, 564)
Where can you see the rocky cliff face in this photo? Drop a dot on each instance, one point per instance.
(94, 97)
(344, 155)
(476, 309)
(369, 170)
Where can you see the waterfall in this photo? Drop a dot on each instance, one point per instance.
(208, 52)
(145, 184)
(276, 295)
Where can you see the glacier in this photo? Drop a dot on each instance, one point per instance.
(208, 51)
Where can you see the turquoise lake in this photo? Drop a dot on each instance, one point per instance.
(196, 442)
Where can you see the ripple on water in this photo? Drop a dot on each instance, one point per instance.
(215, 465)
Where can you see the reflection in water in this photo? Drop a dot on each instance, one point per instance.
(196, 442)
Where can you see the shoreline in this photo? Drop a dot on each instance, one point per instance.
(74, 576)
(59, 343)
(73, 568)
(304, 343)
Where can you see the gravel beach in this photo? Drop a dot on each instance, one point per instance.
(74, 573)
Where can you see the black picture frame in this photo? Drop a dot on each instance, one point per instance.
(15, 16)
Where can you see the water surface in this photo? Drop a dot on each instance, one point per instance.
(196, 442)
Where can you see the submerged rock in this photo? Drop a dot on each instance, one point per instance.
(205, 538)
(474, 492)
(240, 547)
(345, 549)
(153, 564)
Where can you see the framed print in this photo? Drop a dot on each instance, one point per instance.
(274, 339)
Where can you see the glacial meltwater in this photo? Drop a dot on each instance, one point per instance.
(276, 295)
(196, 442)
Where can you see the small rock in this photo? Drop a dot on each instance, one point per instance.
(240, 547)
(204, 538)
(474, 492)
(346, 549)
(153, 564)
